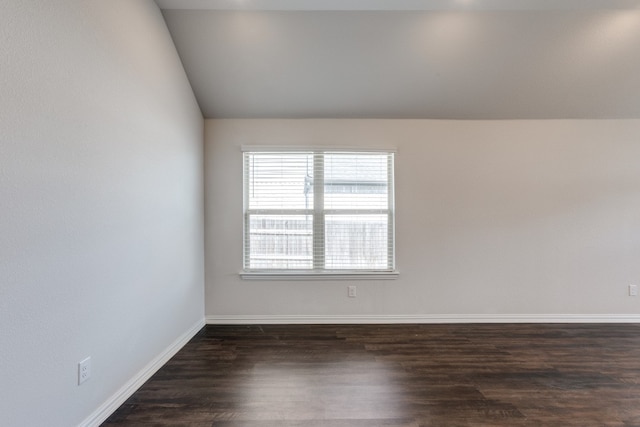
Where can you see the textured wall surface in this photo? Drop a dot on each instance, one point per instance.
(492, 218)
(101, 248)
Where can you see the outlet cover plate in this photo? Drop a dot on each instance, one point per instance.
(351, 290)
(84, 370)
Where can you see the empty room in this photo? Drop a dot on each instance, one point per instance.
(305, 213)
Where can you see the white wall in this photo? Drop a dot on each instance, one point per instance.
(101, 248)
(494, 218)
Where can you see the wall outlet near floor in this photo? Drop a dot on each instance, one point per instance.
(84, 370)
(633, 290)
(351, 291)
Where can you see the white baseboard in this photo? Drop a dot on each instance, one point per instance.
(119, 397)
(421, 318)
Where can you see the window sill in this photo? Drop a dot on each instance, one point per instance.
(303, 275)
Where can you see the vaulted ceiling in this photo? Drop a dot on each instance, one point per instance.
(441, 59)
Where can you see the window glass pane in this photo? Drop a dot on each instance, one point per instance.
(280, 180)
(356, 242)
(280, 242)
(356, 181)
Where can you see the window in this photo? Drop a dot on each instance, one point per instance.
(318, 212)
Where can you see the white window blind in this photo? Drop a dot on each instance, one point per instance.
(318, 211)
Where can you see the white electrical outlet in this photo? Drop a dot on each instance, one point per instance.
(633, 290)
(84, 370)
(352, 291)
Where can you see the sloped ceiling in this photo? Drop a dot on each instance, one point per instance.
(447, 59)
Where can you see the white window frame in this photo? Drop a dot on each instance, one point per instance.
(318, 212)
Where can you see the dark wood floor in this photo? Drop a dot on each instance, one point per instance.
(396, 375)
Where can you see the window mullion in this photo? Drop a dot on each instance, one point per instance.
(391, 215)
(246, 245)
(318, 212)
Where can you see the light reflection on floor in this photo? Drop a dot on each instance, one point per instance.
(322, 390)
